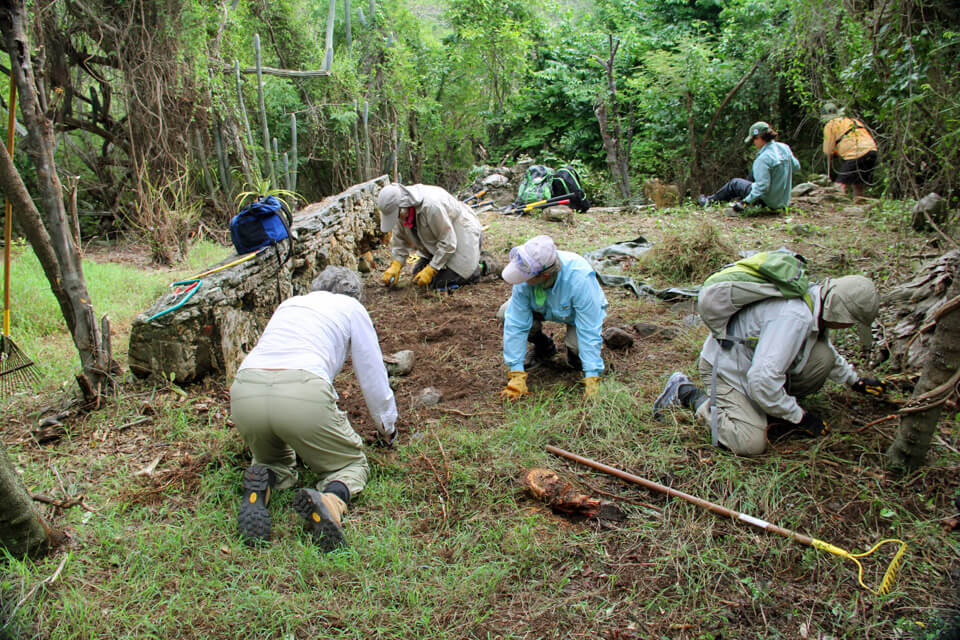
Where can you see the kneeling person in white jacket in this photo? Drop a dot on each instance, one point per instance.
(442, 230)
(792, 357)
(284, 405)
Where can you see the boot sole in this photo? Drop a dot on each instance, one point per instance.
(253, 519)
(327, 534)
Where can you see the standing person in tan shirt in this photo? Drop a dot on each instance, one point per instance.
(849, 139)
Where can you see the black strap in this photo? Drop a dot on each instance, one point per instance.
(856, 125)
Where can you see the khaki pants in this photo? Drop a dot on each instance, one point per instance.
(741, 424)
(569, 336)
(287, 413)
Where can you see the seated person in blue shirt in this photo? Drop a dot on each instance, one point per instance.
(772, 174)
(554, 286)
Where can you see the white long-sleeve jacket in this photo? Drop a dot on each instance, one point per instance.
(786, 332)
(313, 332)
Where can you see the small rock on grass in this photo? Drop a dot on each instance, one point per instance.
(647, 330)
(399, 363)
(617, 338)
(428, 398)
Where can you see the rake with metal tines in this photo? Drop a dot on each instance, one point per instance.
(16, 369)
(886, 583)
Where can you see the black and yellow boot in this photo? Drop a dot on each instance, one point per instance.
(253, 519)
(322, 513)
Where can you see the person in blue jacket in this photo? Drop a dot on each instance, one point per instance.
(554, 286)
(772, 174)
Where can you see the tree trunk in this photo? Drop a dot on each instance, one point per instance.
(22, 532)
(49, 231)
(938, 382)
(611, 130)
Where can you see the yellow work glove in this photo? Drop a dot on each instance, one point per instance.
(591, 387)
(425, 276)
(516, 386)
(392, 275)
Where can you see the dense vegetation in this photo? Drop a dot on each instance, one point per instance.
(145, 93)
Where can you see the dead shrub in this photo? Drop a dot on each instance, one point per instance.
(690, 256)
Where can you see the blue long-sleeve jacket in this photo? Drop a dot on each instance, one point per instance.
(773, 175)
(574, 299)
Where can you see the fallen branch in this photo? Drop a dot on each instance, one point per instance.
(876, 422)
(60, 504)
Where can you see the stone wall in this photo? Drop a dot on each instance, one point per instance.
(217, 327)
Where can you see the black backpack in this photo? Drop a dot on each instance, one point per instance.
(566, 182)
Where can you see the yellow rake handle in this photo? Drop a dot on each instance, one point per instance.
(888, 578)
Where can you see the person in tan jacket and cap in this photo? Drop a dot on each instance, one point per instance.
(791, 357)
(442, 230)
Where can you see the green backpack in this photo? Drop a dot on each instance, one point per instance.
(767, 274)
(535, 185)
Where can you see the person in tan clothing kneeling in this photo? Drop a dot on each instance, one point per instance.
(284, 405)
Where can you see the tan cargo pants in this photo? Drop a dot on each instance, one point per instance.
(287, 413)
(741, 424)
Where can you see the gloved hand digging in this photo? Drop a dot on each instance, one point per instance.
(870, 386)
(425, 276)
(388, 434)
(812, 425)
(392, 275)
(516, 386)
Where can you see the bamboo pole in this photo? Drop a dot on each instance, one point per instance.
(366, 141)
(263, 110)
(347, 25)
(328, 47)
(286, 170)
(243, 108)
(293, 152)
(276, 161)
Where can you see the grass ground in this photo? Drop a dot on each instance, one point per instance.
(444, 541)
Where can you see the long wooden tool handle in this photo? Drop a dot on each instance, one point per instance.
(8, 210)
(700, 502)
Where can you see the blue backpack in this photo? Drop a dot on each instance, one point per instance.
(261, 223)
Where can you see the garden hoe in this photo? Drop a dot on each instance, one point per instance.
(16, 369)
(886, 584)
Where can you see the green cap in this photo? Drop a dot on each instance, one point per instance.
(829, 111)
(756, 129)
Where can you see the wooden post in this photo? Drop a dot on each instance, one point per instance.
(328, 48)
(243, 108)
(276, 161)
(366, 141)
(346, 19)
(263, 110)
(293, 152)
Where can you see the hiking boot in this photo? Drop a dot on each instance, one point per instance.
(321, 513)
(541, 352)
(253, 519)
(489, 266)
(679, 390)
